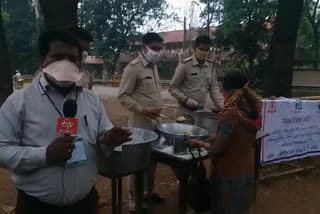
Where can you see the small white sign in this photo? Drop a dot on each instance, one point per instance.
(294, 128)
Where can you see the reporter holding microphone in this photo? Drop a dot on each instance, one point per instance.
(54, 172)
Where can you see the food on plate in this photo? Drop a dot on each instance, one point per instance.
(181, 119)
(187, 132)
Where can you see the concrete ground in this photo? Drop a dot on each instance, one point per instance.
(111, 93)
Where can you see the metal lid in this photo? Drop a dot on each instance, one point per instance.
(140, 136)
(213, 115)
(180, 129)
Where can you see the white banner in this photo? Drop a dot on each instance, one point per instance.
(294, 128)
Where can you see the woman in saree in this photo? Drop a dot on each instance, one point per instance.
(232, 150)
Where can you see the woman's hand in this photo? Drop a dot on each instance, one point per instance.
(212, 138)
(196, 143)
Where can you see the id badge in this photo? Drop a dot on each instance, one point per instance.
(79, 156)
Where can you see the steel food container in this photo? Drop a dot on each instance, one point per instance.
(176, 135)
(135, 155)
(207, 120)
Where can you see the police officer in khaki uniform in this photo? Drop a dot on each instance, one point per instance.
(84, 38)
(140, 93)
(194, 79)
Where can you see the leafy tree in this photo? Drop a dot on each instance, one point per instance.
(20, 28)
(5, 71)
(312, 13)
(246, 28)
(115, 23)
(213, 10)
(5, 17)
(305, 42)
(305, 34)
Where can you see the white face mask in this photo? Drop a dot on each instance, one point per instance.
(85, 55)
(64, 72)
(63, 84)
(152, 56)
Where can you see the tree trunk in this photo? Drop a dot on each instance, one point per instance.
(208, 18)
(251, 64)
(278, 80)
(115, 62)
(5, 71)
(208, 27)
(60, 14)
(316, 52)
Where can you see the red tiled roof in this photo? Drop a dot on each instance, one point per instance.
(177, 35)
(93, 60)
(172, 36)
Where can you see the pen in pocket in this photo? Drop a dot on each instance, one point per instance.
(86, 120)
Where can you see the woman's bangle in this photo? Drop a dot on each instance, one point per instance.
(207, 146)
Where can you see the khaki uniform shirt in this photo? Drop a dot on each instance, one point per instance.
(86, 80)
(191, 80)
(140, 88)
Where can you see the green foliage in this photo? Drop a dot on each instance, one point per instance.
(5, 17)
(305, 42)
(213, 10)
(309, 32)
(114, 23)
(20, 29)
(167, 69)
(305, 34)
(246, 28)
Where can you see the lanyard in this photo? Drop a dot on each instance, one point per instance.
(51, 101)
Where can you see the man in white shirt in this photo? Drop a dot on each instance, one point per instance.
(36, 154)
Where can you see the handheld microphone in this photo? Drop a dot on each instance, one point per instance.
(68, 125)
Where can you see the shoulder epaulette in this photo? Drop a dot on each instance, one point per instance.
(135, 61)
(210, 60)
(187, 59)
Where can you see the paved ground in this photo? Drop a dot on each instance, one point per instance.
(110, 93)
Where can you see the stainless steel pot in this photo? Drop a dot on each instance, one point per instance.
(135, 155)
(207, 120)
(180, 144)
(175, 135)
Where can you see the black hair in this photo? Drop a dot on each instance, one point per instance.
(202, 39)
(48, 37)
(148, 38)
(234, 79)
(81, 34)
